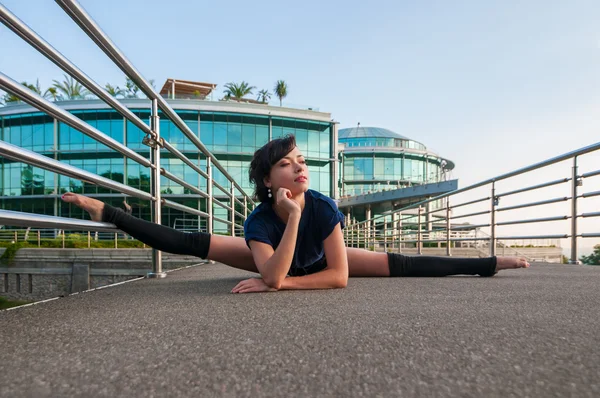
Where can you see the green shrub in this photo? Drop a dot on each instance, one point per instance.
(77, 242)
(11, 251)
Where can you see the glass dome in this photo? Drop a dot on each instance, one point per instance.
(376, 136)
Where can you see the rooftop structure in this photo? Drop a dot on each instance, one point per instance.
(185, 89)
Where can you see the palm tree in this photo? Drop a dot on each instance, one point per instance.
(281, 90)
(52, 93)
(35, 88)
(238, 91)
(10, 98)
(114, 91)
(71, 88)
(264, 96)
(131, 89)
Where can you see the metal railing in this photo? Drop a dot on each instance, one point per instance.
(422, 223)
(233, 192)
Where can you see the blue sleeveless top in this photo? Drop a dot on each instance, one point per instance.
(319, 218)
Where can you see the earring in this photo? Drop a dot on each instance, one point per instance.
(269, 193)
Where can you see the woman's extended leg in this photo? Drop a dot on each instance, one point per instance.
(224, 249)
(367, 263)
(233, 251)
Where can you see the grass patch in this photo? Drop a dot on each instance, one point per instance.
(6, 303)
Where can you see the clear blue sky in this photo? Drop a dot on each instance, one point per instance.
(492, 85)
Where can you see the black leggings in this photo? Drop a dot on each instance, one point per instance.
(424, 266)
(197, 244)
(158, 236)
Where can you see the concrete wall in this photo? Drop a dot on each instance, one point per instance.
(39, 274)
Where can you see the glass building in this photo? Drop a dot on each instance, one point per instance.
(232, 131)
(375, 159)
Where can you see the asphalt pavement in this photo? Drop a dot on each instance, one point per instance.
(527, 333)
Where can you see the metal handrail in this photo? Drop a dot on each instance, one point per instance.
(88, 25)
(24, 155)
(183, 183)
(589, 194)
(531, 188)
(20, 219)
(187, 209)
(549, 162)
(22, 30)
(538, 203)
(590, 174)
(364, 232)
(183, 158)
(9, 85)
(152, 139)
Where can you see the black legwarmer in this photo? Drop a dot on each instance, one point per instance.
(158, 236)
(422, 266)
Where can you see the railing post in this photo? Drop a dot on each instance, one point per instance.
(394, 229)
(39, 238)
(209, 200)
(373, 232)
(385, 234)
(349, 233)
(232, 201)
(448, 251)
(368, 222)
(575, 182)
(154, 144)
(116, 240)
(400, 233)
(419, 243)
(493, 204)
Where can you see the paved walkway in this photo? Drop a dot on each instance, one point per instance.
(532, 332)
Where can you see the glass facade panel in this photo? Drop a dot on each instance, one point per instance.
(233, 138)
(134, 134)
(262, 135)
(387, 171)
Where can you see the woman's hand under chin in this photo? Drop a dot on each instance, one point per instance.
(283, 199)
(252, 285)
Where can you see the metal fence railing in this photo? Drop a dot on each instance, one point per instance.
(435, 220)
(236, 202)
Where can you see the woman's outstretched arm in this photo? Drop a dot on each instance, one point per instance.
(332, 277)
(274, 265)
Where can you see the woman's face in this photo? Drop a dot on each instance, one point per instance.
(289, 172)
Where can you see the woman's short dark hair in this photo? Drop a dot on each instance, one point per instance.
(264, 159)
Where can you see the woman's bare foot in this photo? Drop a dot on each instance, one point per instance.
(92, 206)
(510, 263)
